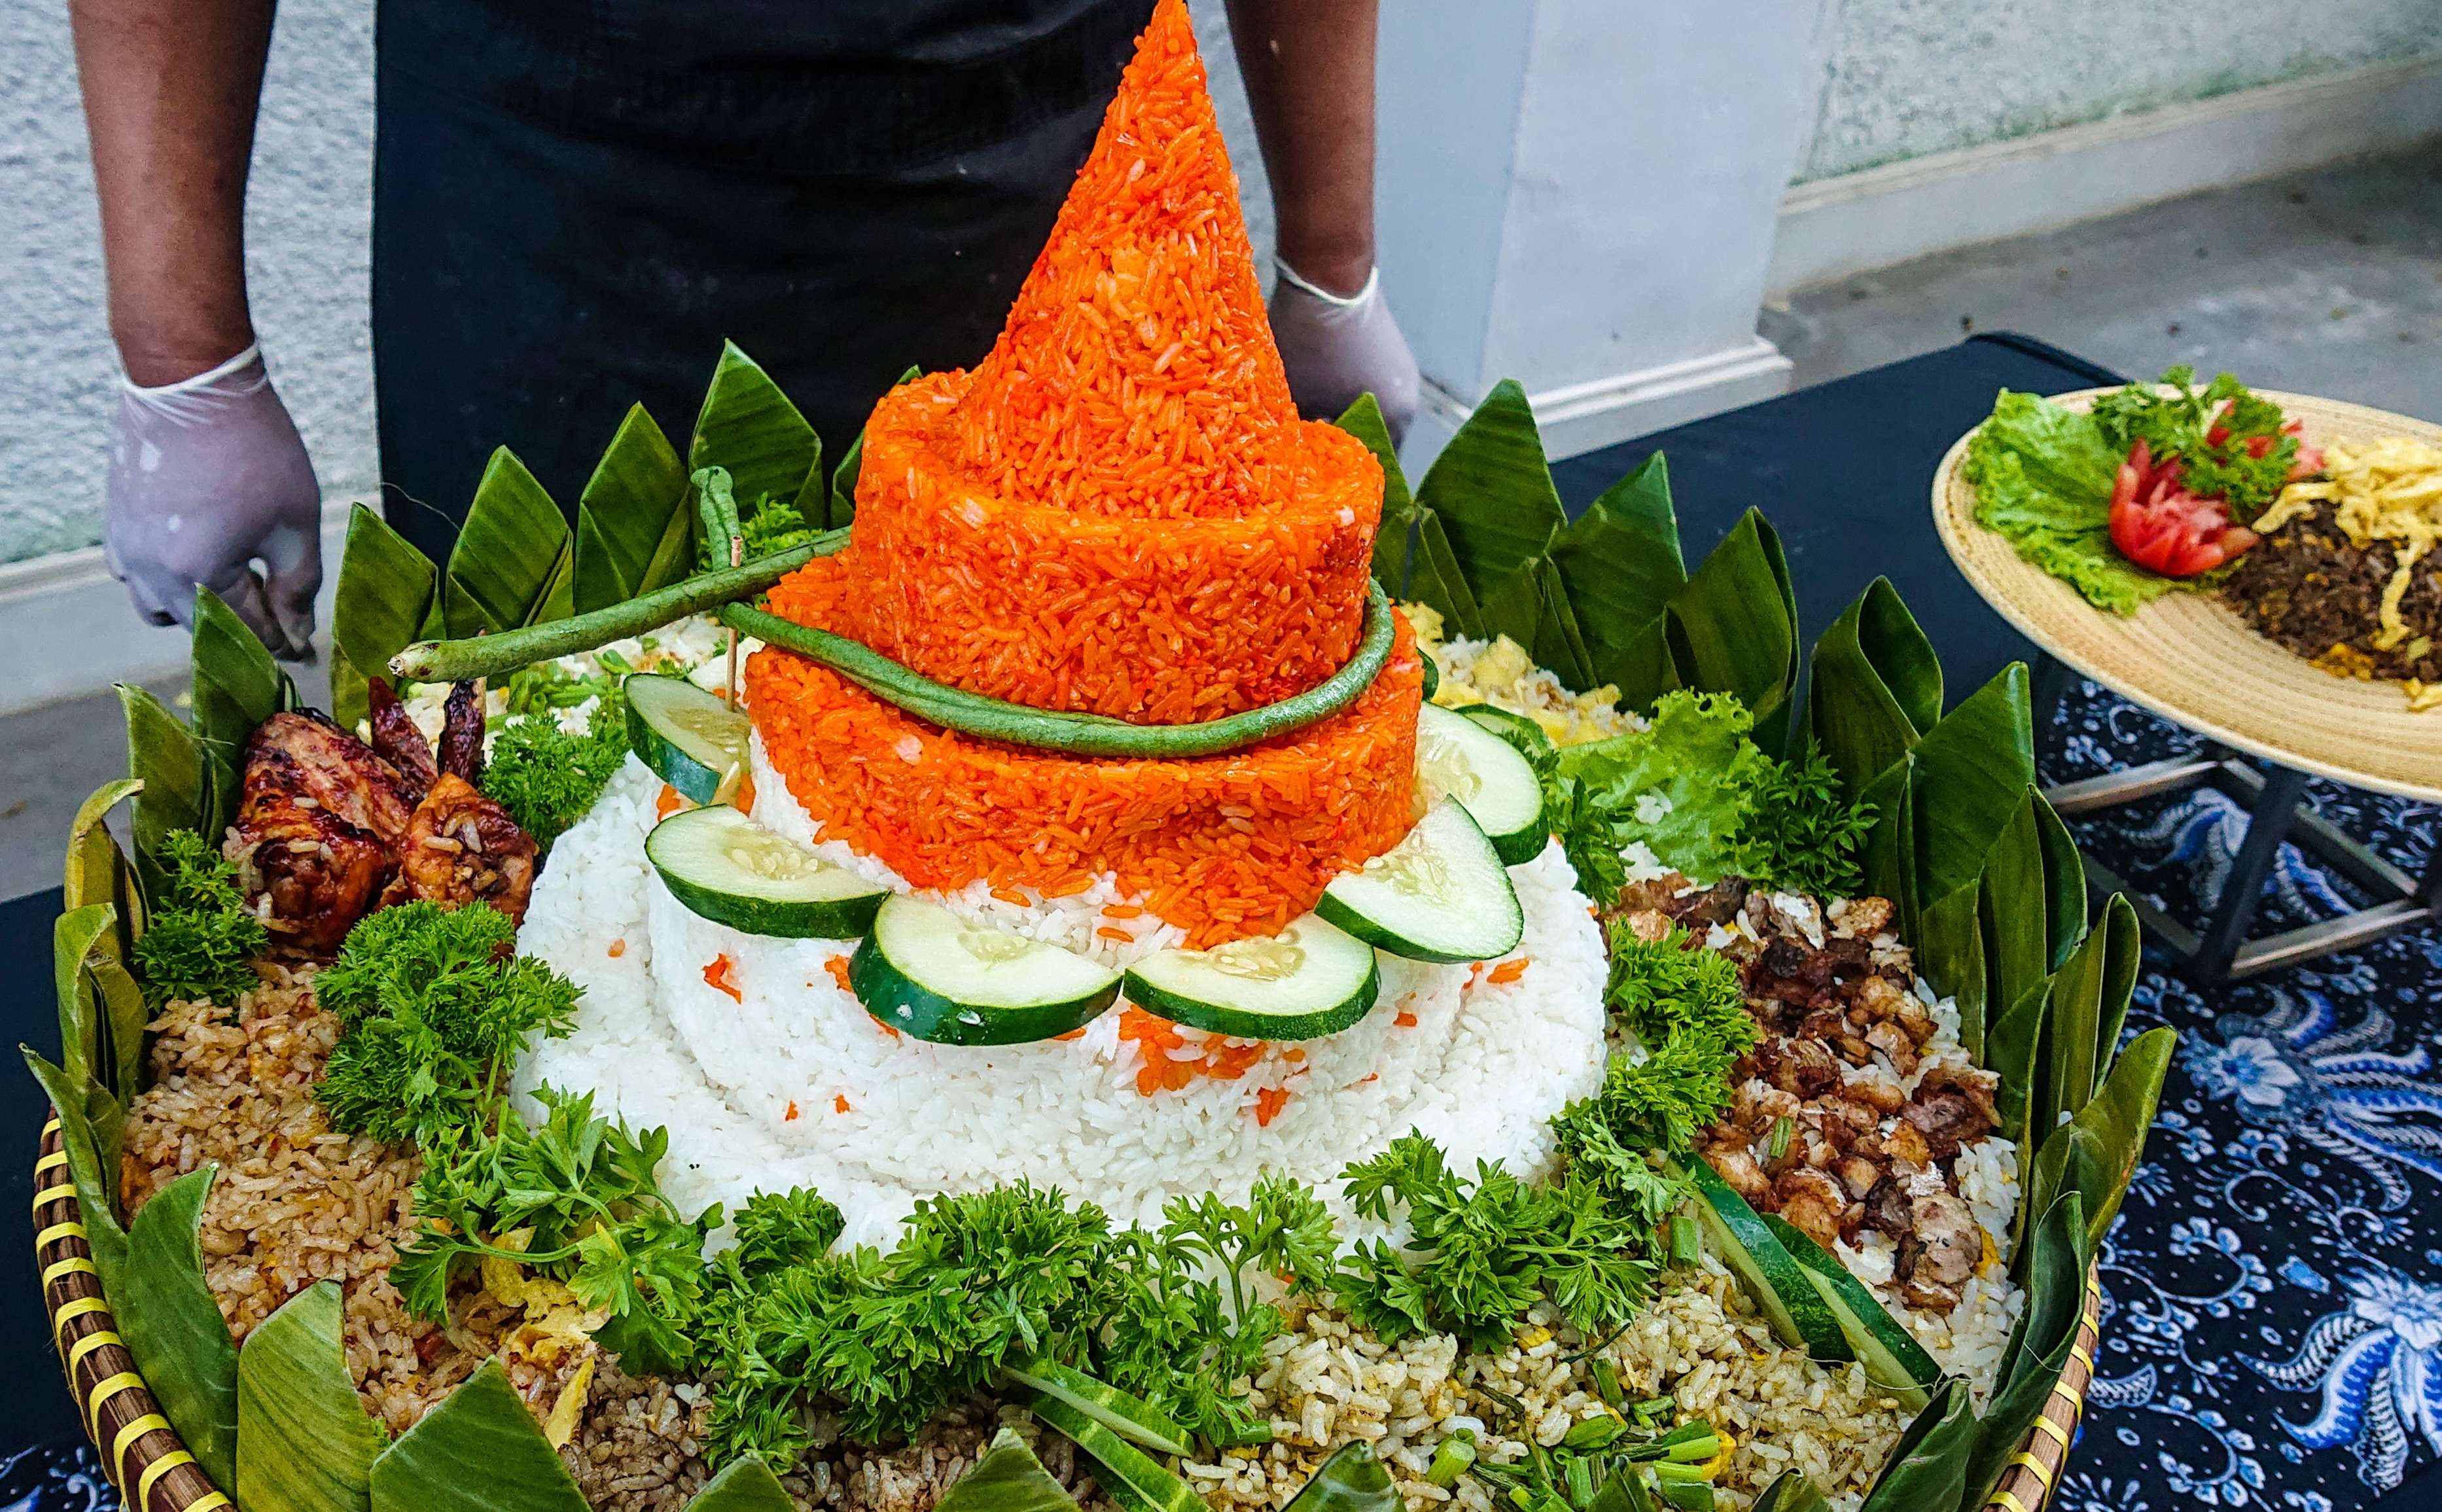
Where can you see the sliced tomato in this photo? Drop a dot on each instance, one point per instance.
(2163, 527)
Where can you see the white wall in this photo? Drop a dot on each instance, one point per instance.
(309, 221)
(1905, 78)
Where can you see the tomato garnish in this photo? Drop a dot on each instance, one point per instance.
(2159, 525)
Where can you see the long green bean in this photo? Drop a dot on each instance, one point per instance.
(496, 655)
(1091, 735)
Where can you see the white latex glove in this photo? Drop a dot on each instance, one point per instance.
(206, 476)
(1337, 347)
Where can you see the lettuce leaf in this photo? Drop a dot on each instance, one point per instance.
(1684, 787)
(2043, 478)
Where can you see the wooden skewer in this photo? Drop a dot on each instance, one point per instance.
(736, 557)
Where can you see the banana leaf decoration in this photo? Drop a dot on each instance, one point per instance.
(1604, 599)
(518, 560)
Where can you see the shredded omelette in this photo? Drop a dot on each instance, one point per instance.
(2386, 490)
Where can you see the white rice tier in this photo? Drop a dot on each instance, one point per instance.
(797, 1086)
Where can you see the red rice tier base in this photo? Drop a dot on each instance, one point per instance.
(1223, 847)
(1160, 620)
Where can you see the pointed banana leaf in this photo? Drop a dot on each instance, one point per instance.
(2063, 882)
(1007, 1479)
(851, 465)
(96, 872)
(748, 425)
(513, 549)
(1875, 686)
(1620, 563)
(2010, 1042)
(1973, 772)
(1364, 421)
(1950, 953)
(162, 755)
(482, 1423)
(2071, 1073)
(2095, 1153)
(1735, 628)
(1514, 607)
(1557, 644)
(558, 600)
(174, 1328)
(1790, 1492)
(388, 596)
(1889, 853)
(237, 685)
(1493, 491)
(1928, 1468)
(625, 511)
(674, 557)
(2017, 929)
(1435, 579)
(304, 1443)
(90, 1126)
(749, 1486)
(74, 935)
(2123, 954)
(2039, 1347)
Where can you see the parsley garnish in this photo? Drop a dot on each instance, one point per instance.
(1685, 1006)
(1484, 1251)
(547, 778)
(435, 1012)
(2180, 426)
(200, 942)
(1803, 831)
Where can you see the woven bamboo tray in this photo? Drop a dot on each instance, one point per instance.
(2190, 658)
(153, 1471)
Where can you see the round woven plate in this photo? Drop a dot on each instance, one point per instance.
(2191, 659)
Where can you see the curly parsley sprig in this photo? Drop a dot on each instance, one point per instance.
(200, 942)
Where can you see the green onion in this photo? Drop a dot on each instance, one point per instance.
(1695, 1450)
(1092, 735)
(1248, 1437)
(1686, 1240)
(1682, 1486)
(1581, 1476)
(1653, 1407)
(504, 653)
(1451, 1459)
(1779, 1143)
(1593, 1433)
(1607, 1385)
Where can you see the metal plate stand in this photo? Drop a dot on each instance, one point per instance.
(2273, 800)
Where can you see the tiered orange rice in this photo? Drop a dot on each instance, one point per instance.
(1223, 847)
(1119, 510)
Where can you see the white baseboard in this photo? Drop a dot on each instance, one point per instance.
(71, 631)
(1838, 227)
(1583, 417)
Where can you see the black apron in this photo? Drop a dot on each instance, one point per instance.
(574, 201)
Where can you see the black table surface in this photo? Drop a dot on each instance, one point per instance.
(2193, 1404)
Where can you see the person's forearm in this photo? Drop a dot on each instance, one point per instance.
(1309, 71)
(170, 94)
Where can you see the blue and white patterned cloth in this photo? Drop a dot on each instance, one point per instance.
(2273, 1324)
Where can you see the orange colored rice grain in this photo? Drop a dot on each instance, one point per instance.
(619, 948)
(791, 1115)
(1269, 1103)
(668, 803)
(1507, 972)
(840, 1104)
(717, 976)
(1223, 847)
(837, 966)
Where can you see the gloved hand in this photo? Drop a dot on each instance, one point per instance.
(1337, 346)
(205, 476)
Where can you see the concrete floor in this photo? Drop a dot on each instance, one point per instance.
(2330, 282)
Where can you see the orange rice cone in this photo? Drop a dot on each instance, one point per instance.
(1140, 333)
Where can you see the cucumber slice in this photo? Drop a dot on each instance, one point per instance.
(1136, 1481)
(1310, 980)
(691, 740)
(1459, 758)
(1893, 1359)
(726, 868)
(1131, 1418)
(1517, 729)
(1439, 895)
(926, 972)
(1777, 1282)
